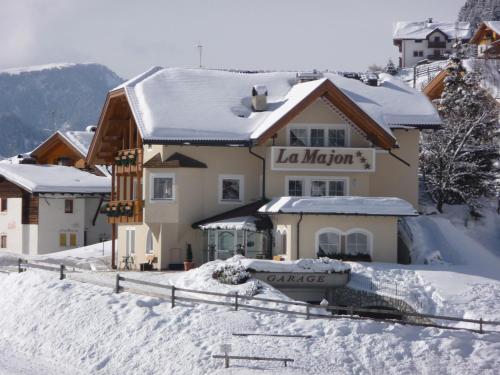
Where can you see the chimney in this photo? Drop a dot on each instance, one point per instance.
(259, 98)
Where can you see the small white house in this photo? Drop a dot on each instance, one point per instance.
(48, 208)
(427, 40)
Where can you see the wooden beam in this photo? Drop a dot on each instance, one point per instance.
(110, 138)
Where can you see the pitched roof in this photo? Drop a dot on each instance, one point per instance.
(202, 105)
(370, 206)
(421, 29)
(54, 179)
(176, 160)
(79, 141)
(492, 25)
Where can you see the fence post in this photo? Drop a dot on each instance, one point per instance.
(480, 325)
(117, 285)
(61, 272)
(19, 269)
(173, 296)
(307, 312)
(236, 301)
(226, 360)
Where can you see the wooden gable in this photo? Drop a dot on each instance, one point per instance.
(55, 148)
(116, 130)
(327, 90)
(482, 35)
(176, 160)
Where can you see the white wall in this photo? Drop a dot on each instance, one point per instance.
(409, 46)
(11, 225)
(101, 227)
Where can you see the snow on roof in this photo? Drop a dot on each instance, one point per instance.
(383, 206)
(235, 223)
(421, 29)
(54, 179)
(493, 25)
(178, 104)
(80, 139)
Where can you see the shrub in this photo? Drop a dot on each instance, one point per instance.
(233, 274)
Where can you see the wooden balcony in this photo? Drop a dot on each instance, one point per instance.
(436, 44)
(124, 212)
(129, 162)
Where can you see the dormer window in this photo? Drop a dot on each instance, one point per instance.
(317, 136)
(437, 39)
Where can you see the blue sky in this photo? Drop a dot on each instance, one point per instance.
(129, 36)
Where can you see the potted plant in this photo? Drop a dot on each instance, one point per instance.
(188, 262)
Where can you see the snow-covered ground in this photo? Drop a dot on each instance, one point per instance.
(59, 327)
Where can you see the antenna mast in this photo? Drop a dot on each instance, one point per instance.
(200, 51)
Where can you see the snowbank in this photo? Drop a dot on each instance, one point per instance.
(302, 265)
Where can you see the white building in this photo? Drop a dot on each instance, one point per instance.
(427, 40)
(47, 208)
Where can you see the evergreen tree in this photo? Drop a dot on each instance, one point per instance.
(390, 68)
(458, 160)
(475, 11)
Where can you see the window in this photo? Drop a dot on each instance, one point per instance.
(3, 205)
(72, 239)
(3, 241)
(437, 39)
(230, 188)
(318, 136)
(418, 53)
(130, 242)
(298, 137)
(418, 40)
(149, 242)
(328, 243)
(62, 240)
(295, 188)
(68, 206)
(357, 243)
(316, 186)
(162, 187)
(336, 137)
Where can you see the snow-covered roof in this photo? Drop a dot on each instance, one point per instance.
(377, 206)
(421, 29)
(236, 223)
(178, 104)
(493, 25)
(54, 179)
(80, 139)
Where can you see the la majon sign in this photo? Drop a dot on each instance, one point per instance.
(340, 159)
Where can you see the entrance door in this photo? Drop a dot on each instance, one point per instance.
(225, 244)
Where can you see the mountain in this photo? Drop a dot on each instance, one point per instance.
(36, 101)
(475, 11)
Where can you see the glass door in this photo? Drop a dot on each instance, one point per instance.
(225, 244)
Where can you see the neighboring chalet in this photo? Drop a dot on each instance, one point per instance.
(48, 208)
(487, 39)
(427, 40)
(287, 165)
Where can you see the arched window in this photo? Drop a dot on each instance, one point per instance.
(149, 242)
(280, 242)
(357, 243)
(328, 242)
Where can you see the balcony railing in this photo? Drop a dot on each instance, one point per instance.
(124, 211)
(436, 44)
(129, 161)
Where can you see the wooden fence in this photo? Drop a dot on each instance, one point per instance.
(238, 301)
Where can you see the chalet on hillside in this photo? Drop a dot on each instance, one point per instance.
(427, 40)
(285, 165)
(487, 39)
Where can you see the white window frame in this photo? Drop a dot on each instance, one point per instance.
(241, 179)
(326, 127)
(307, 180)
(327, 230)
(152, 176)
(129, 251)
(150, 244)
(367, 233)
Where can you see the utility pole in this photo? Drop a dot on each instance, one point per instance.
(200, 51)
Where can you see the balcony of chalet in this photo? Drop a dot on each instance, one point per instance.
(124, 211)
(128, 161)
